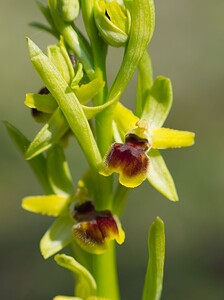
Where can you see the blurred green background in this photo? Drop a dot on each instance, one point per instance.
(188, 47)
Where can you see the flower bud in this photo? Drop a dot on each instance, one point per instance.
(60, 58)
(95, 229)
(69, 10)
(113, 22)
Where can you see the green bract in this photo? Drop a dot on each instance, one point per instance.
(112, 21)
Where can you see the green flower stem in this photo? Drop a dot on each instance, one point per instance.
(99, 50)
(105, 274)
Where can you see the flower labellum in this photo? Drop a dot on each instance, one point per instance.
(129, 159)
(95, 229)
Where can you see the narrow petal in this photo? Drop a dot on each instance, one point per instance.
(160, 177)
(51, 205)
(163, 138)
(85, 283)
(44, 103)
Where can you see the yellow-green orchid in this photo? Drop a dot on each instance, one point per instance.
(133, 163)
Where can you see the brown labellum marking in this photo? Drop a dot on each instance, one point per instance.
(130, 160)
(137, 142)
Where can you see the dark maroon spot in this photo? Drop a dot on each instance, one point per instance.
(44, 91)
(137, 142)
(107, 15)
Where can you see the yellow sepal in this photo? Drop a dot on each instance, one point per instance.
(163, 138)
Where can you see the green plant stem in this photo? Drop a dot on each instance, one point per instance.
(120, 198)
(105, 274)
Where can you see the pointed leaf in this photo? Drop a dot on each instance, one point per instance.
(58, 236)
(51, 133)
(156, 248)
(85, 283)
(45, 103)
(159, 176)
(58, 171)
(68, 103)
(51, 205)
(158, 103)
(163, 138)
(38, 164)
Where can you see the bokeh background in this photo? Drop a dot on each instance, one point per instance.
(188, 47)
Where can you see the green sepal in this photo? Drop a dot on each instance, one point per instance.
(160, 177)
(125, 119)
(163, 138)
(145, 80)
(87, 91)
(68, 103)
(58, 171)
(73, 38)
(158, 103)
(58, 55)
(38, 164)
(85, 284)
(58, 236)
(45, 103)
(154, 275)
(142, 27)
(69, 9)
(50, 205)
(51, 133)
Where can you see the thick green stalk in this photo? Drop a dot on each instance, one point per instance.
(104, 265)
(105, 271)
